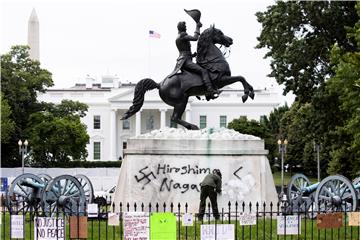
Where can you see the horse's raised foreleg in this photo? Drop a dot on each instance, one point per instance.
(227, 80)
(178, 112)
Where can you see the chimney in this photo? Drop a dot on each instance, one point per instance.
(89, 82)
(117, 83)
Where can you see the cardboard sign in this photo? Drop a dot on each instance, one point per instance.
(92, 210)
(247, 219)
(113, 219)
(49, 228)
(82, 227)
(329, 220)
(289, 225)
(17, 226)
(223, 232)
(163, 226)
(354, 218)
(187, 220)
(136, 225)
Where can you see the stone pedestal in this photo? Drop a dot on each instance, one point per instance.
(167, 165)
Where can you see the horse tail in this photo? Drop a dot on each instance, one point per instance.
(140, 90)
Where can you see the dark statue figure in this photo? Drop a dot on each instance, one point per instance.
(184, 61)
(210, 73)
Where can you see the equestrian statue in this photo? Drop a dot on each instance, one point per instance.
(210, 73)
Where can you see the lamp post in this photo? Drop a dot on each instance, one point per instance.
(22, 152)
(317, 148)
(282, 150)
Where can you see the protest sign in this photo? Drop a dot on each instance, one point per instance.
(187, 220)
(113, 219)
(289, 225)
(17, 226)
(329, 220)
(78, 227)
(247, 219)
(136, 225)
(49, 228)
(223, 232)
(92, 210)
(354, 218)
(163, 226)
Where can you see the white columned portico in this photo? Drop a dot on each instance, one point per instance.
(188, 115)
(163, 118)
(113, 132)
(138, 123)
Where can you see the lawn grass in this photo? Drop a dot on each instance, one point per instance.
(266, 228)
(287, 178)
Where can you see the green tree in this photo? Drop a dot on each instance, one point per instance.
(299, 36)
(21, 79)
(57, 134)
(255, 128)
(276, 131)
(346, 150)
(251, 127)
(7, 124)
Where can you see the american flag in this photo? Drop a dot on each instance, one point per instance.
(154, 34)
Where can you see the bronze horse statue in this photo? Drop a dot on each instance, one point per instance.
(176, 90)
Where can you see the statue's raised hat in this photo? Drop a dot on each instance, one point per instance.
(194, 14)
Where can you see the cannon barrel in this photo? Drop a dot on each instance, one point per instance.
(311, 188)
(29, 183)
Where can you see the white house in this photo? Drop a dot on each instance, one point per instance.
(109, 100)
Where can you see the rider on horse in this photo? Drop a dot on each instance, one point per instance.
(184, 61)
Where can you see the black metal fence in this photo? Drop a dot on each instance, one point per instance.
(265, 227)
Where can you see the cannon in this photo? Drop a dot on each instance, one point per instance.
(65, 193)
(24, 194)
(332, 193)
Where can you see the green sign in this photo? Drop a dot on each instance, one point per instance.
(162, 226)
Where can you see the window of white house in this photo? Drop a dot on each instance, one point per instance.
(202, 121)
(97, 150)
(150, 123)
(124, 145)
(126, 124)
(97, 122)
(223, 121)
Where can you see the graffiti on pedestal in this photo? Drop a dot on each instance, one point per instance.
(164, 176)
(145, 176)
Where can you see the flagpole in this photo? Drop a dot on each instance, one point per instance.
(149, 56)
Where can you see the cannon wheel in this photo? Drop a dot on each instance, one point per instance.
(297, 183)
(64, 194)
(45, 177)
(298, 202)
(336, 193)
(356, 180)
(87, 186)
(21, 198)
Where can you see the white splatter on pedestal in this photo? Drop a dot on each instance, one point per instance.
(167, 165)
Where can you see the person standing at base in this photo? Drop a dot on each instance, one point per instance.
(210, 186)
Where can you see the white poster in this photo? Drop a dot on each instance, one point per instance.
(187, 220)
(49, 228)
(223, 232)
(291, 226)
(113, 219)
(136, 225)
(247, 219)
(17, 226)
(92, 210)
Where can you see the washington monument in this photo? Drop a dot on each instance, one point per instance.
(33, 36)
